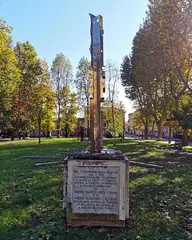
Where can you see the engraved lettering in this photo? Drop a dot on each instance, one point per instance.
(95, 189)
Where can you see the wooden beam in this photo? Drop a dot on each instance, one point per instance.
(38, 157)
(49, 163)
(145, 165)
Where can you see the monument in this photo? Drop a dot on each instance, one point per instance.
(96, 180)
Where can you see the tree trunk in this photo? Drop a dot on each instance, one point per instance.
(59, 122)
(159, 130)
(66, 131)
(39, 126)
(146, 127)
(185, 140)
(82, 133)
(25, 135)
(19, 136)
(113, 122)
(134, 132)
(123, 135)
(12, 136)
(170, 131)
(48, 133)
(152, 132)
(88, 118)
(146, 131)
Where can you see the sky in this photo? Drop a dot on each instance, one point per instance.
(55, 26)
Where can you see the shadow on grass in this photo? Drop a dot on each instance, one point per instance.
(31, 208)
(161, 204)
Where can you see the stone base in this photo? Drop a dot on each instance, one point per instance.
(95, 223)
(96, 189)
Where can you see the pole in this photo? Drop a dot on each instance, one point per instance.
(98, 107)
(39, 130)
(92, 126)
(123, 135)
(96, 63)
(101, 130)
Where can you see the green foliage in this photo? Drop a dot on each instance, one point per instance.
(125, 71)
(118, 117)
(44, 101)
(83, 83)
(61, 75)
(172, 22)
(157, 76)
(68, 110)
(9, 74)
(61, 71)
(136, 117)
(24, 97)
(112, 79)
(127, 78)
(187, 122)
(184, 112)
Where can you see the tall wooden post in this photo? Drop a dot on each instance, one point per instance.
(98, 107)
(92, 124)
(96, 63)
(101, 130)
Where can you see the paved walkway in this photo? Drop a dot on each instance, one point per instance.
(128, 136)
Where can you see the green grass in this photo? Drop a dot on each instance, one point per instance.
(30, 198)
(188, 149)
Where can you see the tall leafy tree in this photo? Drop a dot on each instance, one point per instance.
(112, 82)
(114, 120)
(68, 110)
(83, 83)
(30, 69)
(160, 67)
(44, 101)
(134, 89)
(61, 73)
(172, 21)
(9, 75)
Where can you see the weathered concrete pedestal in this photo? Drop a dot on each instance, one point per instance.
(96, 189)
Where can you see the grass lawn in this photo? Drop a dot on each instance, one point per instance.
(30, 198)
(187, 149)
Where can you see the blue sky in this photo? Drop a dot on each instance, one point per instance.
(54, 26)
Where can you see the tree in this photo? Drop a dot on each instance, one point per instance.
(158, 73)
(49, 115)
(115, 121)
(68, 110)
(83, 85)
(9, 75)
(61, 72)
(131, 75)
(184, 116)
(44, 104)
(112, 77)
(172, 21)
(171, 24)
(146, 76)
(30, 69)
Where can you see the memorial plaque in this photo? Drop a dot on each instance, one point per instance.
(96, 189)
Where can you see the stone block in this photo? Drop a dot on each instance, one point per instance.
(96, 191)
